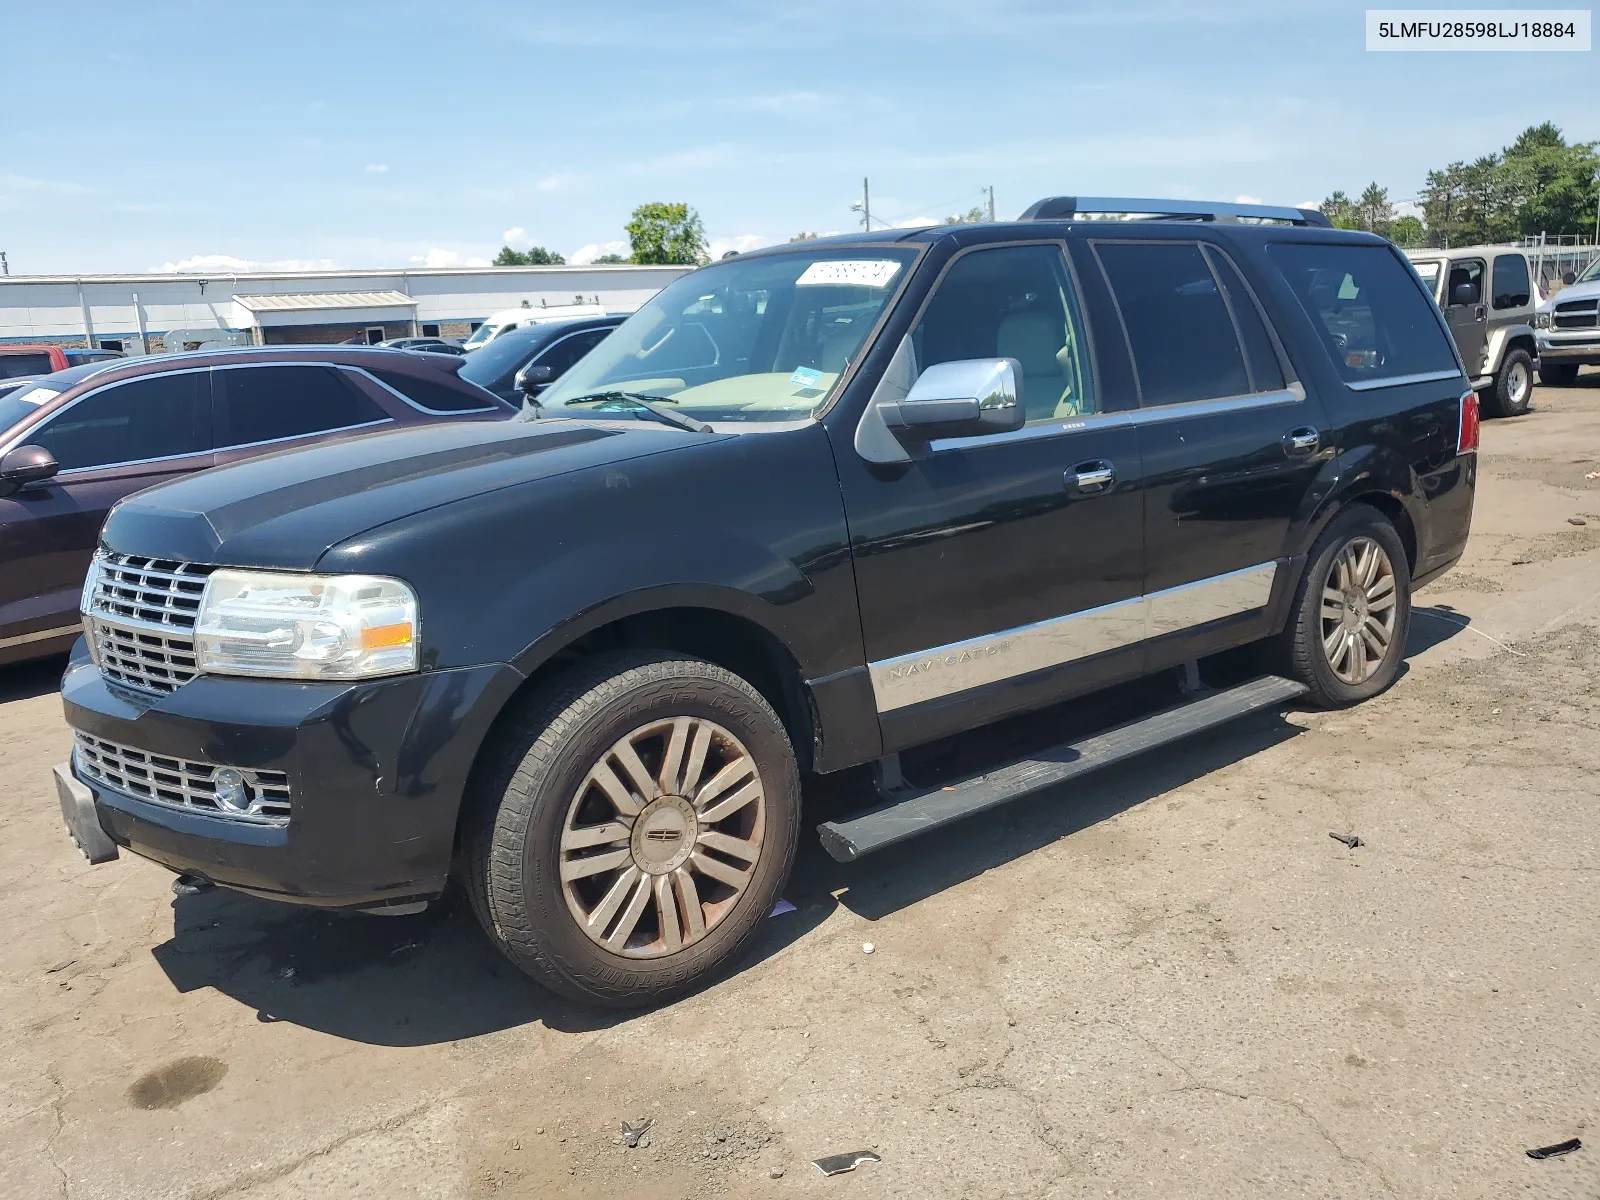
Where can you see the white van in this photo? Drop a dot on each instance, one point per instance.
(515, 318)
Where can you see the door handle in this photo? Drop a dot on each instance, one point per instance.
(1299, 442)
(1090, 478)
(1480, 313)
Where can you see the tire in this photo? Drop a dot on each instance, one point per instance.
(548, 800)
(1512, 389)
(1558, 374)
(1303, 645)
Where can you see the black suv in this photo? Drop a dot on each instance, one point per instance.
(808, 508)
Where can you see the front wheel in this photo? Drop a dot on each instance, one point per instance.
(1513, 385)
(1558, 374)
(629, 832)
(1352, 611)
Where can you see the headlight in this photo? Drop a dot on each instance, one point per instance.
(1541, 320)
(288, 626)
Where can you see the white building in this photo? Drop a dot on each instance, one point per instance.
(136, 313)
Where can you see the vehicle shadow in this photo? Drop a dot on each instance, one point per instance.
(1439, 624)
(389, 981)
(27, 680)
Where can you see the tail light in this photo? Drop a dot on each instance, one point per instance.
(1469, 422)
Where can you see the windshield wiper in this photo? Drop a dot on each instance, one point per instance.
(648, 404)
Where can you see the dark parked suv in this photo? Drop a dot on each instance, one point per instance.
(74, 443)
(808, 508)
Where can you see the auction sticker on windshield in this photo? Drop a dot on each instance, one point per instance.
(850, 272)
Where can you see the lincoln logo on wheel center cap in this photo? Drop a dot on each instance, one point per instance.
(663, 835)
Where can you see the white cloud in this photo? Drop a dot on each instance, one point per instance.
(718, 246)
(517, 238)
(435, 257)
(227, 263)
(1408, 208)
(1316, 204)
(913, 222)
(585, 255)
(377, 168)
(1242, 199)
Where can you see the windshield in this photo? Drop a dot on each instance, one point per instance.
(483, 333)
(1592, 275)
(23, 402)
(487, 366)
(1430, 274)
(36, 363)
(755, 339)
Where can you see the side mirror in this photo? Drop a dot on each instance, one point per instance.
(959, 399)
(532, 380)
(25, 465)
(1568, 278)
(1464, 294)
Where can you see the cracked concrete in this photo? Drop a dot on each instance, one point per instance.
(1165, 981)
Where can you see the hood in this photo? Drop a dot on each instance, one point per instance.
(1573, 291)
(285, 510)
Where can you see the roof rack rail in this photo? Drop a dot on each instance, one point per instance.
(1064, 208)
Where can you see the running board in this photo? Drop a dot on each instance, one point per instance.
(908, 811)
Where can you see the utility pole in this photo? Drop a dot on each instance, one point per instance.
(5, 267)
(991, 204)
(864, 208)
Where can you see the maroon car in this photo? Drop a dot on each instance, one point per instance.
(79, 440)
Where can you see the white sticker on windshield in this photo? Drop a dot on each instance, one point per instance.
(853, 272)
(38, 395)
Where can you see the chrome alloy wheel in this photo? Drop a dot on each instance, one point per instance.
(1358, 610)
(662, 837)
(1518, 380)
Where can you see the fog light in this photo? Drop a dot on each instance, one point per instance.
(233, 793)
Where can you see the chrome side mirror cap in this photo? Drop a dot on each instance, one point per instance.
(966, 398)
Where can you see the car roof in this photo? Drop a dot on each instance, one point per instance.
(1463, 251)
(536, 331)
(30, 347)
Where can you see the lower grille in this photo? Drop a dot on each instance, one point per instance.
(255, 797)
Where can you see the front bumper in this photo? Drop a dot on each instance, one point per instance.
(376, 773)
(1581, 347)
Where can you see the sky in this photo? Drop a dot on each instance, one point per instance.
(203, 136)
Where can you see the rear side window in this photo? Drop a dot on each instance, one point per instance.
(1183, 340)
(14, 366)
(1266, 373)
(1510, 284)
(432, 394)
(163, 416)
(268, 403)
(1374, 320)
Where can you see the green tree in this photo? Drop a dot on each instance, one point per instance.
(1538, 184)
(538, 256)
(1340, 211)
(609, 259)
(667, 234)
(804, 235)
(1407, 231)
(1374, 211)
(973, 216)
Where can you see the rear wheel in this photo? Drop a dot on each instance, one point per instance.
(1351, 614)
(630, 831)
(1558, 374)
(1513, 385)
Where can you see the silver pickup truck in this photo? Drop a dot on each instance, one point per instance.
(1568, 328)
(1488, 299)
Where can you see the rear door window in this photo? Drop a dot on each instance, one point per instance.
(163, 416)
(1261, 356)
(1510, 284)
(1183, 339)
(271, 403)
(1373, 318)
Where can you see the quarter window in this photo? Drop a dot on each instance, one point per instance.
(432, 394)
(1374, 319)
(269, 403)
(1013, 302)
(1184, 343)
(163, 416)
(1511, 289)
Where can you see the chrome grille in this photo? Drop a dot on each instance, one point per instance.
(179, 783)
(141, 614)
(1576, 314)
(159, 591)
